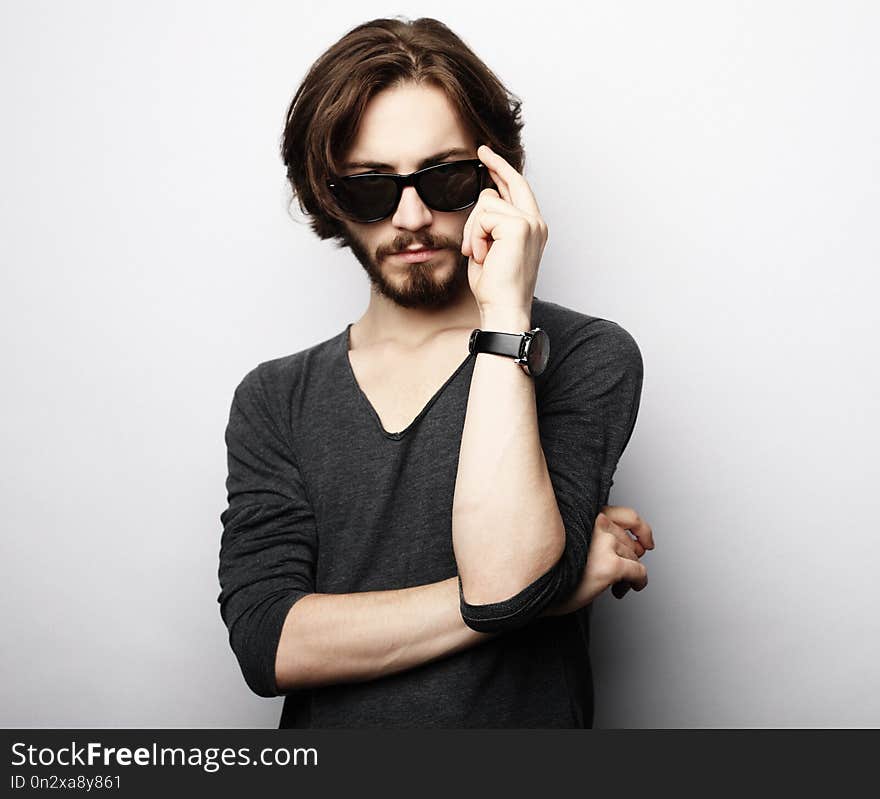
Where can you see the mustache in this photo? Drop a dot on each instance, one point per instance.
(398, 248)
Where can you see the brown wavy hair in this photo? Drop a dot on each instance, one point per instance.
(325, 113)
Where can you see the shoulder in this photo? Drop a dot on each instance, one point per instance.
(585, 344)
(274, 373)
(281, 385)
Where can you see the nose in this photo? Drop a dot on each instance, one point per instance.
(411, 212)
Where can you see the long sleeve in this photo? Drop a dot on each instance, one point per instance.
(268, 546)
(587, 404)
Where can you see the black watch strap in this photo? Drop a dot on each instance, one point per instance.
(496, 343)
(531, 349)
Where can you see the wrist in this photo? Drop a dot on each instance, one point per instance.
(505, 320)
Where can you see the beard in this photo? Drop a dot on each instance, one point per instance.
(420, 286)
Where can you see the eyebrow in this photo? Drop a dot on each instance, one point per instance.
(432, 159)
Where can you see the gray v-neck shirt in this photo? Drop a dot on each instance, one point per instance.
(322, 499)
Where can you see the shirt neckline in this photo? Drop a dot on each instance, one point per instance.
(345, 341)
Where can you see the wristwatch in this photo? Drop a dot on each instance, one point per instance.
(531, 350)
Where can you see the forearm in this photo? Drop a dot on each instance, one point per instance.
(331, 638)
(506, 526)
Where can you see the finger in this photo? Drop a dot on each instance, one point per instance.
(631, 549)
(487, 226)
(503, 189)
(466, 232)
(634, 572)
(625, 541)
(515, 184)
(500, 184)
(620, 589)
(629, 519)
(488, 200)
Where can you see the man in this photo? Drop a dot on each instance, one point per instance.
(413, 536)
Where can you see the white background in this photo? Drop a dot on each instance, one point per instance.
(709, 175)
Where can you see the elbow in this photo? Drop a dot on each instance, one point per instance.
(554, 585)
(261, 689)
(255, 639)
(256, 667)
(514, 612)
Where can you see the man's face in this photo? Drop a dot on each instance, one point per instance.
(401, 127)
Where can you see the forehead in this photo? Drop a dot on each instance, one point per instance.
(403, 126)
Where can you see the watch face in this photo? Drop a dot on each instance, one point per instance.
(539, 352)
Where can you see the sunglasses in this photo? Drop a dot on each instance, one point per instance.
(374, 196)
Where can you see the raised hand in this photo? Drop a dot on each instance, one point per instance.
(504, 237)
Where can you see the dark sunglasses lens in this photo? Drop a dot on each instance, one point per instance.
(367, 196)
(450, 187)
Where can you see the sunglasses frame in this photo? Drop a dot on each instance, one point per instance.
(412, 179)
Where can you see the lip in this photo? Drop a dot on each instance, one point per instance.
(417, 256)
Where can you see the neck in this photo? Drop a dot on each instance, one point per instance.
(386, 322)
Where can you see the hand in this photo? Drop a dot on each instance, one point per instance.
(504, 237)
(628, 519)
(613, 559)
